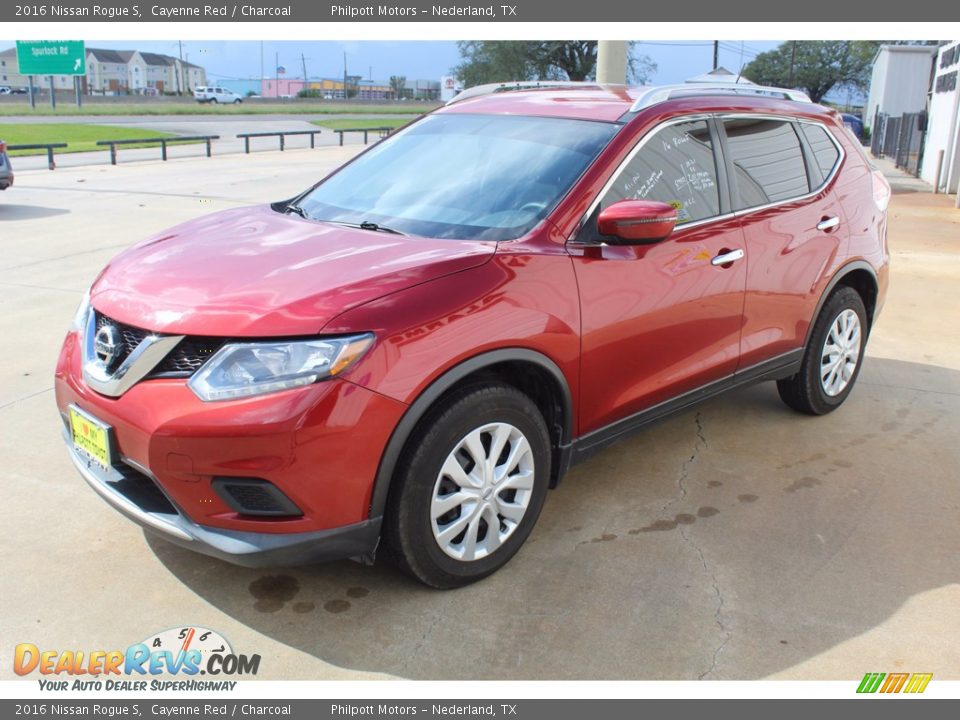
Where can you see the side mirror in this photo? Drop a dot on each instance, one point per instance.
(635, 222)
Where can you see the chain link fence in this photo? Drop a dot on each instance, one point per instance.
(900, 138)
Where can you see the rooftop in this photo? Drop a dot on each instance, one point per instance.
(591, 101)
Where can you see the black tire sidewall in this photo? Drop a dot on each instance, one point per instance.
(438, 438)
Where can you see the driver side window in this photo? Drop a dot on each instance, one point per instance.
(676, 166)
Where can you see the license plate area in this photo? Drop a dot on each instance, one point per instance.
(91, 438)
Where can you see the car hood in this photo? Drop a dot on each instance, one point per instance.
(256, 272)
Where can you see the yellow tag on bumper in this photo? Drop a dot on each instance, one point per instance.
(90, 437)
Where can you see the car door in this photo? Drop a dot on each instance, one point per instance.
(792, 233)
(663, 319)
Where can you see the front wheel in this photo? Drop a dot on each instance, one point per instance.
(469, 487)
(832, 360)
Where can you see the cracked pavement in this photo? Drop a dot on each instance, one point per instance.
(735, 540)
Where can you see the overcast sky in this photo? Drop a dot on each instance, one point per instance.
(676, 61)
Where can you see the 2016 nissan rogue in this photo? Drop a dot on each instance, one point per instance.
(411, 352)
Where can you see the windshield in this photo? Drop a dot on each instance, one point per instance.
(472, 177)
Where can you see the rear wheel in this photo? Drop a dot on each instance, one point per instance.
(832, 360)
(469, 488)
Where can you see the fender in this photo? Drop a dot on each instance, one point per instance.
(841, 273)
(451, 377)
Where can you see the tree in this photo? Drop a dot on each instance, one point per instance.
(506, 60)
(398, 83)
(816, 66)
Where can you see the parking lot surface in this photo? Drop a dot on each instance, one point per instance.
(737, 540)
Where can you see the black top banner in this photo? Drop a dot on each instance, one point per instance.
(479, 11)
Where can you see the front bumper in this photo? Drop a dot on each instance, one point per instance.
(250, 549)
(319, 445)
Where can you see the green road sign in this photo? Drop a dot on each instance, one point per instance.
(51, 57)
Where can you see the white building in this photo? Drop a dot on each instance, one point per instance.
(943, 124)
(115, 72)
(901, 77)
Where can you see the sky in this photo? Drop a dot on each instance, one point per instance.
(417, 60)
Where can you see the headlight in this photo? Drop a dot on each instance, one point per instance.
(80, 317)
(246, 369)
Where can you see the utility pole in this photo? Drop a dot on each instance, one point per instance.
(612, 61)
(181, 81)
(303, 61)
(793, 61)
(716, 54)
(276, 74)
(262, 76)
(344, 75)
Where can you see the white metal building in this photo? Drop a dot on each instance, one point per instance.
(943, 124)
(900, 79)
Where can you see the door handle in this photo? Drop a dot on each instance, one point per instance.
(828, 223)
(728, 257)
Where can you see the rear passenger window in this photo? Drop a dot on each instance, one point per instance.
(675, 166)
(768, 162)
(824, 149)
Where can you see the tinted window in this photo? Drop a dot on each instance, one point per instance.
(824, 150)
(463, 176)
(675, 166)
(767, 159)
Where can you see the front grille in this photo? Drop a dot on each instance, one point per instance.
(185, 359)
(142, 491)
(130, 336)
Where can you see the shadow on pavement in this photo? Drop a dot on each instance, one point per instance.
(27, 212)
(733, 541)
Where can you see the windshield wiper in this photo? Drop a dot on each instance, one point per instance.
(297, 210)
(366, 225)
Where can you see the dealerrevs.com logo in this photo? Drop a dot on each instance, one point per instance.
(186, 651)
(888, 683)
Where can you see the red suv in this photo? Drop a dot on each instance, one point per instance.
(411, 352)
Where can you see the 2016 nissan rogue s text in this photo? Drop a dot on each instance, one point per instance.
(407, 355)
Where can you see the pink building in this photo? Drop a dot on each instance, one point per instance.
(280, 87)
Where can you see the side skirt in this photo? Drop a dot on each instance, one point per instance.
(588, 445)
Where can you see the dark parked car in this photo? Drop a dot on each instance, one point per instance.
(408, 354)
(854, 123)
(6, 170)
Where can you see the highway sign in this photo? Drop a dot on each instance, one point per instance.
(51, 57)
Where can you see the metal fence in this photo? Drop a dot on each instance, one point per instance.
(900, 138)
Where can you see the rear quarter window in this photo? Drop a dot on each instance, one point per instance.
(824, 148)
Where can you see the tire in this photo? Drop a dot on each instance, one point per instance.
(213, 101)
(435, 546)
(816, 389)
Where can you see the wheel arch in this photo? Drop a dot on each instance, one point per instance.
(860, 276)
(529, 371)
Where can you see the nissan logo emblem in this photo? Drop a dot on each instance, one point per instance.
(106, 344)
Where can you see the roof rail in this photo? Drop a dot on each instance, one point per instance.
(655, 95)
(478, 90)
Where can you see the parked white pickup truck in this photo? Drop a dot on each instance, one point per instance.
(215, 95)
